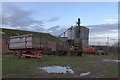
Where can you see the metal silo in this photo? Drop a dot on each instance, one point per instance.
(71, 33)
(84, 36)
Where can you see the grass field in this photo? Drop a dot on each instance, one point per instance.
(14, 67)
(0, 66)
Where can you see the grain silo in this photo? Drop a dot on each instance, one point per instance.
(85, 36)
(78, 34)
(70, 33)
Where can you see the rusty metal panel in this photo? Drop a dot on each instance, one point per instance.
(26, 41)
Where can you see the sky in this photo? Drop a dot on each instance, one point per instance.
(66, 13)
(19, 15)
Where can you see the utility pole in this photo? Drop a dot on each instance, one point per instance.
(40, 41)
(98, 47)
(107, 45)
(98, 43)
(107, 41)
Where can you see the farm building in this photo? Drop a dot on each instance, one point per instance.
(51, 41)
(73, 35)
(76, 34)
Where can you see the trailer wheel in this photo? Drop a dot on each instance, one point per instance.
(27, 57)
(19, 54)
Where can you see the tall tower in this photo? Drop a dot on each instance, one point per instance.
(77, 29)
(78, 39)
(78, 22)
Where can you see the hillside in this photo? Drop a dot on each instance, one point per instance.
(12, 32)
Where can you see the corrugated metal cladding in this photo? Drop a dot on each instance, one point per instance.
(71, 34)
(74, 33)
(27, 41)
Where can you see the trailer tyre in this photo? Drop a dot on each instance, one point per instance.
(27, 57)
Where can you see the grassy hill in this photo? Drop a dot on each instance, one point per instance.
(12, 32)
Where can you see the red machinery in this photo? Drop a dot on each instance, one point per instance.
(89, 50)
(37, 55)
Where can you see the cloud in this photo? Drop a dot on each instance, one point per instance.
(53, 19)
(56, 30)
(14, 16)
(111, 21)
(103, 28)
(114, 30)
(99, 33)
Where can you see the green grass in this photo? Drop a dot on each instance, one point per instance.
(15, 67)
(0, 65)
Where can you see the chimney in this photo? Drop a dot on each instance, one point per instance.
(78, 22)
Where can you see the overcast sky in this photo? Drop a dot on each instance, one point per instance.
(18, 15)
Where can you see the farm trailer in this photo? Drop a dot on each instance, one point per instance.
(28, 45)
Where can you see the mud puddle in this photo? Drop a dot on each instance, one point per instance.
(57, 69)
(66, 69)
(109, 60)
(85, 74)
